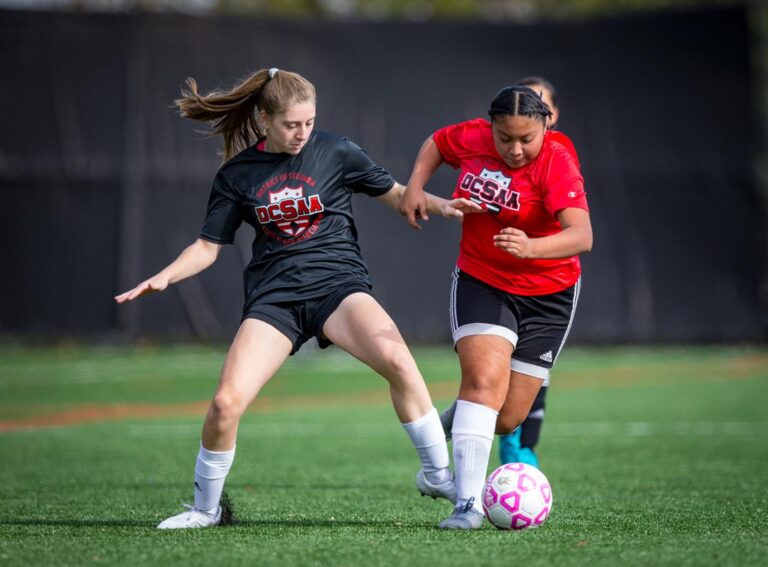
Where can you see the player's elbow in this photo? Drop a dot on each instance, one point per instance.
(207, 251)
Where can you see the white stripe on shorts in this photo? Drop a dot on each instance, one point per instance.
(530, 370)
(570, 321)
(471, 329)
(452, 299)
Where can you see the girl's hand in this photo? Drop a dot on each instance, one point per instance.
(153, 284)
(459, 207)
(514, 241)
(413, 205)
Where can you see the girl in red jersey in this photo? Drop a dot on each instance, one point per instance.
(307, 278)
(516, 283)
(518, 446)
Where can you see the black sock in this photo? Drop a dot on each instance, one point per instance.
(531, 427)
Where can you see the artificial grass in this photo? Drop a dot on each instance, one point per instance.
(656, 457)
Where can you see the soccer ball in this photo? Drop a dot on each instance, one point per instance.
(517, 496)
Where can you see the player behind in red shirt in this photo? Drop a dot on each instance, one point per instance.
(517, 279)
(294, 184)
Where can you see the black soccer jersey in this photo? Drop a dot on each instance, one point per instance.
(300, 208)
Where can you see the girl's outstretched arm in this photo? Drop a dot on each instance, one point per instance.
(194, 259)
(455, 208)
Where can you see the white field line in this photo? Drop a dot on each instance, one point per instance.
(97, 372)
(362, 430)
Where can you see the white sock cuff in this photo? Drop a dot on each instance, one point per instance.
(474, 419)
(217, 456)
(426, 431)
(422, 420)
(214, 464)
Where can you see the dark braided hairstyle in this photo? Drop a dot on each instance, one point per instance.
(519, 100)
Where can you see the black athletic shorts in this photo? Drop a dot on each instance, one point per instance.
(537, 326)
(302, 320)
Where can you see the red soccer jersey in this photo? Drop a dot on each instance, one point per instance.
(527, 198)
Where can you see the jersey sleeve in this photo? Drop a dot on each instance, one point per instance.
(455, 142)
(224, 213)
(563, 183)
(361, 175)
(565, 141)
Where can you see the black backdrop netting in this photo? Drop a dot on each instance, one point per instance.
(103, 184)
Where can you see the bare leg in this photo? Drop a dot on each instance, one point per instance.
(484, 363)
(484, 382)
(522, 391)
(361, 327)
(255, 355)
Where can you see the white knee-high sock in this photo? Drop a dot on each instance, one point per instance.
(428, 438)
(473, 429)
(211, 471)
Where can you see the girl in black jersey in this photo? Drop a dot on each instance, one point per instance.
(306, 279)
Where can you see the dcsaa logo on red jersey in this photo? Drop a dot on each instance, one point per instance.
(497, 176)
(290, 210)
(491, 189)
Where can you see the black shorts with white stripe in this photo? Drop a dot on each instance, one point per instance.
(537, 326)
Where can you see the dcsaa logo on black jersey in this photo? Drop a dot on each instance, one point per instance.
(290, 210)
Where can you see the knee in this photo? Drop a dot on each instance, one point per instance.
(484, 389)
(400, 365)
(226, 410)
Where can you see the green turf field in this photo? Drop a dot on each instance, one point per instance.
(656, 457)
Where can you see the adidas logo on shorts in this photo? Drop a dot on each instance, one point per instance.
(547, 356)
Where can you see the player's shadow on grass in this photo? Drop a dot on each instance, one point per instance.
(276, 523)
(250, 486)
(315, 486)
(331, 524)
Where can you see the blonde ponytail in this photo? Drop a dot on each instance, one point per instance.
(235, 113)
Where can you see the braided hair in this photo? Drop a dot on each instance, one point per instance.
(519, 100)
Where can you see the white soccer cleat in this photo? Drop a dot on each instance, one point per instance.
(445, 489)
(192, 518)
(463, 518)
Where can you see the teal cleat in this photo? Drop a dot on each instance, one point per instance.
(510, 450)
(509, 447)
(528, 457)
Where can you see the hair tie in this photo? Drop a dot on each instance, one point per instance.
(272, 72)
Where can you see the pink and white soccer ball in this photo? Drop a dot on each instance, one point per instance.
(517, 496)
